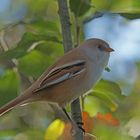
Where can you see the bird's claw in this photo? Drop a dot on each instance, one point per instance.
(80, 124)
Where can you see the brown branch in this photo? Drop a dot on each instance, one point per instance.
(67, 42)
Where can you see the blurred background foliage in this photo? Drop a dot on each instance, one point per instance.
(31, 40)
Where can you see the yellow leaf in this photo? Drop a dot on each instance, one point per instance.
(55, 130)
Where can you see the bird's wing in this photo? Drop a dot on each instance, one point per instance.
(60, 74)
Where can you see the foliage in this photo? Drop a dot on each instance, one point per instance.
(8, 86)
(106, 110)
(108, 92)
(79, 7)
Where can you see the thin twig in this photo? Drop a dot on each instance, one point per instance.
(67, 42)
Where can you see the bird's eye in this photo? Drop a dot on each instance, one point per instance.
(101, 48)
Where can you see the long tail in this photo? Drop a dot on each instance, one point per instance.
(17, 101)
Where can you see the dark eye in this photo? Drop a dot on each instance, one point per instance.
(101, 48)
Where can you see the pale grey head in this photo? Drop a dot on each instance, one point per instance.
(99, 49)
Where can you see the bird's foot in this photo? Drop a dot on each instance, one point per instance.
(80, 126)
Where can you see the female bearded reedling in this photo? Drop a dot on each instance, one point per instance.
(70, 77)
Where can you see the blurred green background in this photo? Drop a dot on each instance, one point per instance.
(31, 40)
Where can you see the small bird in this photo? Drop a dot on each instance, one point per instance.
(70, 77)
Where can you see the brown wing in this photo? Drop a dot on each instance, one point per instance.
(60, 74)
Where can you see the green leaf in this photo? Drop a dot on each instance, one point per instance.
(106, 99)
(9, 86)
(131, 15)
(7, 135)
(34, 64)
(106, 132)
(44, 26)
(117, 6)
(41, 8)
(51, 49)
(109, 93)
(93, 105)
(79, 7)
(35, 134)
(23, 46)
(37, 61)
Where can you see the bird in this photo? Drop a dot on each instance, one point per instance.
(69, 77)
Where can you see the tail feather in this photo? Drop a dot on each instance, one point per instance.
(17, 101)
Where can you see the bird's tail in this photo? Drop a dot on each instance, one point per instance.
(17, 101)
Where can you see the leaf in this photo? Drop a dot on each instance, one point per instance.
(23, 46)
(7, 134)
(106, 99)
(117, 6)
(131, 15)
(44, 26)
(51, 49)
(33, 134)
(15, 134)
(105, 132)
(109, 93)
(9, 86)
(34, 64)
(46, 8)
(55, 130)
(79, 7)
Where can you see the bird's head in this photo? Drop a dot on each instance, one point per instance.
(98, 50)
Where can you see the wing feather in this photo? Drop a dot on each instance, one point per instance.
(60, 74)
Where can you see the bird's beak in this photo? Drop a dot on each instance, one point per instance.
(108, 49)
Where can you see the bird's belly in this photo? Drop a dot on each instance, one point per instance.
(73, 88)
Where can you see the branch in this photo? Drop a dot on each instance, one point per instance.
(65, 25)
(67, 42)
(77, 117)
